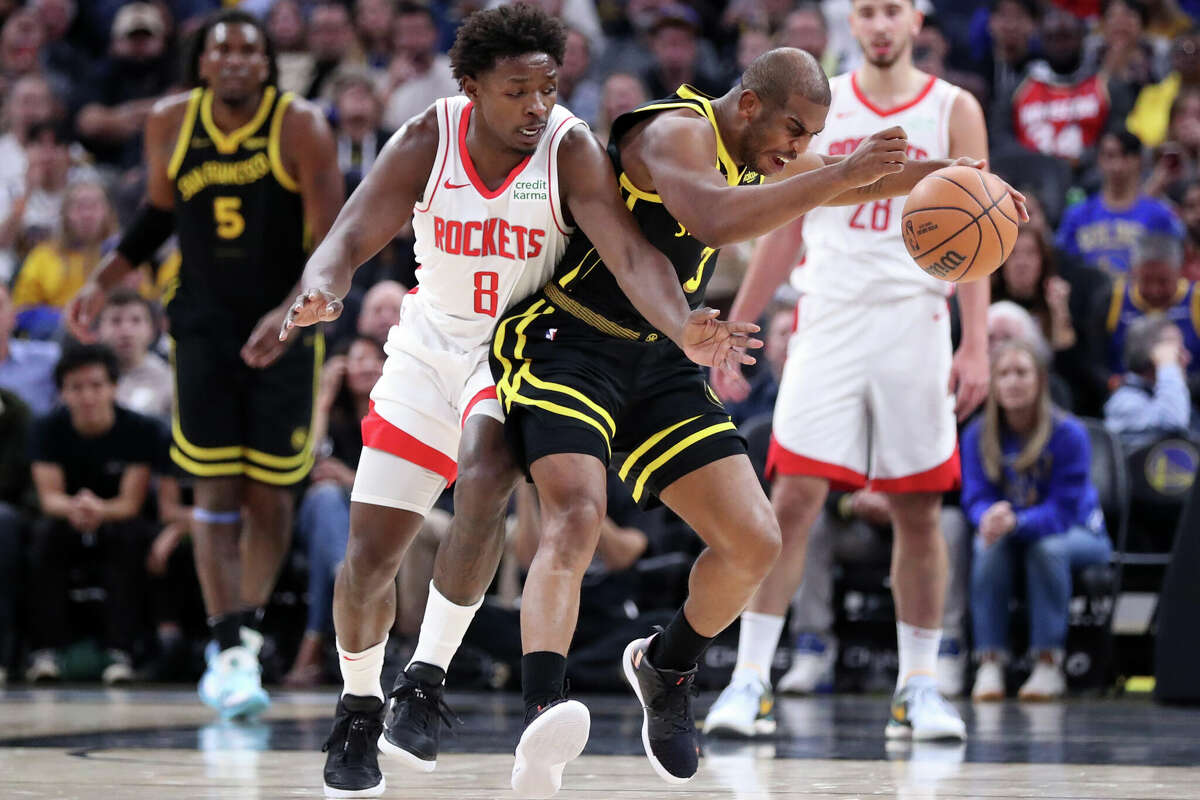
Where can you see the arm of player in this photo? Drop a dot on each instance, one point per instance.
(370, 219)
(969, 372)
(678, 153)
(644, 274)
(322, 190)
(162, 129)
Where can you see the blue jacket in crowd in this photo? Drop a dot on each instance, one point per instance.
(1052, 496)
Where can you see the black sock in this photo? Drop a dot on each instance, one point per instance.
(542, 676)
(678, 647)
(252, 618)
(226, 629)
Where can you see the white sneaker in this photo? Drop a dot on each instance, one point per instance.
(989, 682)
(1045, 683)
(951, 664)
(120, 670)
(920, 713)
(43, 666)
(812, 666)
(556, 736)
(745, 708)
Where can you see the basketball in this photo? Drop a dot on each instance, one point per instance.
(959, 224)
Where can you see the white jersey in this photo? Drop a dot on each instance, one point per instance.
(856, 253)
(482, 251)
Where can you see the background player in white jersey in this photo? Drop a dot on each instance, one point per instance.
(866, 397)
(493, 179)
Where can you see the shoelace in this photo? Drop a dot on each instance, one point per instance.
(673, 703)
(350, 726)
(425, 706)
(931, 695)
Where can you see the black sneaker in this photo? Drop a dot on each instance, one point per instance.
(668, 728)
(352, 766)
(412, 728)
(555, 735)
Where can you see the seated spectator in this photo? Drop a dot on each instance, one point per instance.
(763, 388)
(356, 111)
(1012, 25)
(117, 96)
(373, 20)
(1102, 230)
(418, 74)
(621, 92)
(289, 35)
(856, 527)
(1028, 493)
(675, 55)
(29, 103)
(63, 59)
(20, 47)
(1061, 106)
(34, 213)
(1122, 52)
(15, 423)
(1155, 287)
(1029, 278)
(26, 367)
(576, 89)
(128, 323)
(56, 270)
(91, 468)
(931, 53)
(1189, 214)
(380, 310)
(1176, 162)
(1006, 320)
(806, 28)
(1153, 399)
(332, 45)
(1150, 116)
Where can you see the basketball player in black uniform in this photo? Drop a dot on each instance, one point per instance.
(247, 177)
(585, 380)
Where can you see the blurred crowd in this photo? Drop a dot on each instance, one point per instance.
(1093, 111)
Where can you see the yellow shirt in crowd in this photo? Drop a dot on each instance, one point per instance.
(51, 276)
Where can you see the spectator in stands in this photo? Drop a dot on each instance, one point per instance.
(356, 117)
(373, 20)
(931, 52)
(63, 59)
(29, 102)
(779, 323)
(1153, 398)
(331, 44)
(1154, 287)
(91, 468)
(128, 324)
(289, 35)
(1167, 20)
(55, 270)
(20, 48)
(1028, 493)
(1151, 112)
(1007, 320)
(1189, 214)
(1124, 54)
(116, 98)
(15, 423)
(622, 92)
(323, 522)
(751, 43)
(576, 90)
(1061, 106)
(1183, 130)
(33, 212)
(26, 367)
(675, 55)
(1029, 278)
(418, 74)
(1102, 230)
(380, 310)
(1012, 25)
(805, 28)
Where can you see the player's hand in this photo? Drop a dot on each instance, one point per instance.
(982, 164)
(969, 380)
(83, 310)
(881, 153)
(729, 383)
(718, 344)
(265, 345)
(311, 307)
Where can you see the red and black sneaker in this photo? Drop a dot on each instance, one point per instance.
(668, 727)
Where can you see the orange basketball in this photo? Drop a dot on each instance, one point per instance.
(959, 224)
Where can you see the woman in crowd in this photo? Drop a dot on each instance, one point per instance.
(1027, 491)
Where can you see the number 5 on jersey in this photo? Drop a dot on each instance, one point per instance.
(227, 212)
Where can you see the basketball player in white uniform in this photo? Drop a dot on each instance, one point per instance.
(870, 391)
(493, 179)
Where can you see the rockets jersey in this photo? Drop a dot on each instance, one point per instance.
(480, 250)
(856, 253)
(1127, 306)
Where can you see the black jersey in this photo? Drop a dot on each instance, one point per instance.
(583, 276)
(239, 217)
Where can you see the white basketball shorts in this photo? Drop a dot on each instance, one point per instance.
(864, 398)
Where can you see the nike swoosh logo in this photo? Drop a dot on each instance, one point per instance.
(450, 185)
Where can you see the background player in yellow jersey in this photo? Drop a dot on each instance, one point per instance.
(248, 179)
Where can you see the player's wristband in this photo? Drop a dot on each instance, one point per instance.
(150, 227)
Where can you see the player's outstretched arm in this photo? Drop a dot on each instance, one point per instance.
(678, 151)
(370, 219)
(644, 274)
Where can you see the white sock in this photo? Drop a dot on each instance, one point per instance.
(757, 639)
(918, 649)
(361, 671)
(442, 629)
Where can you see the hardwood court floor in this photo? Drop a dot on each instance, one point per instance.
(135, 745)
